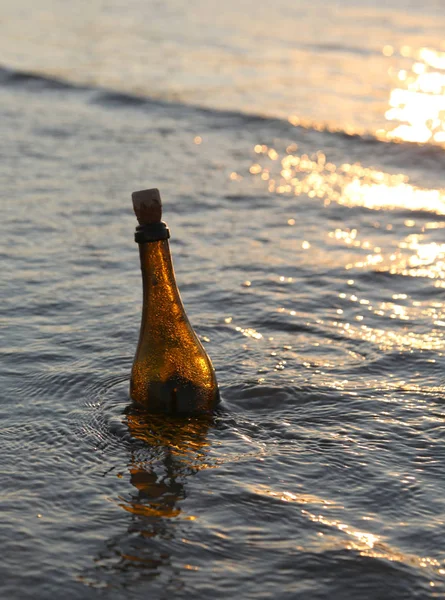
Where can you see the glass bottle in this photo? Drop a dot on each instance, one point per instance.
(171, 372)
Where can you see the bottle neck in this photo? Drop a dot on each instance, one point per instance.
(160, 292)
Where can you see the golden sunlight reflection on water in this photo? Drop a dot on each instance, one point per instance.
(416, 111)
(408, 252)
(347, 184)
(417, 102)
(354, 185)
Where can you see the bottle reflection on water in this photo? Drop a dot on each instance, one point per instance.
(165, 452)
(172, 372)
(172, 450)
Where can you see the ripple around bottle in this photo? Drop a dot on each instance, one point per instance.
(100, 421)
(38, 422)
(83, 405)
(107, 423)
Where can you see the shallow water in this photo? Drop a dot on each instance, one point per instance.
(309, 252)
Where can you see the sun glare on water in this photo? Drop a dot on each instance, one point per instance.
(347, 184)
(416, 110)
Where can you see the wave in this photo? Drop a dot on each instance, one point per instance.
(404, 152)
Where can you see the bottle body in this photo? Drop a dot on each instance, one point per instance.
(171, 372)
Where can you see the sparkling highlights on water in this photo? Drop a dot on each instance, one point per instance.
(250, 333)
(423, 260)
(412, 258)
(333, 532)
(417, 102)
(388, 323)
(361, 319)
(416, 111)
(347, 184)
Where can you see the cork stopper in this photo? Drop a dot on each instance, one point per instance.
(147, 206)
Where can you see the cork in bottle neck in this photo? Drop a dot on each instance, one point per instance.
(147, 206)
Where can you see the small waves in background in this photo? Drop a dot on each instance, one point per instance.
(299, 152)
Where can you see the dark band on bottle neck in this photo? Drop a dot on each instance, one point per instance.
(151, 232)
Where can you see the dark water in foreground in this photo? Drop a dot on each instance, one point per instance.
(312, 265)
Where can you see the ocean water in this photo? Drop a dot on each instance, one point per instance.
(299, 150)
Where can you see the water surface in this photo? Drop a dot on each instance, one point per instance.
(299, 154)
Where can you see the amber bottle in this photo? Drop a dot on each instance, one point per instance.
(171, 372)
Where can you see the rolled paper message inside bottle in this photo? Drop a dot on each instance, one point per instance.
(172, 372)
